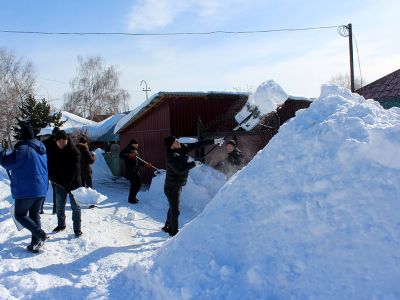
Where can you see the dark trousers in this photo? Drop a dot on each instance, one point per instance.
(136, 183)
(87, 180)
(27, 213)
(61, 199)
(54, 199)
(173, 195)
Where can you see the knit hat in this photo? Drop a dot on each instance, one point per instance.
(133, 141)
(169, 140)
(26, 132)
(55, 130)
(61, 135)
(232, 142)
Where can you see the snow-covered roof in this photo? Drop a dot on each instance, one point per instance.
(134, 114)
(73, 122)
(95, 131)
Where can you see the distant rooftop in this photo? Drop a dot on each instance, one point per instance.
(387, 87)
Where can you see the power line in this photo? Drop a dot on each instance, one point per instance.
(168, 33)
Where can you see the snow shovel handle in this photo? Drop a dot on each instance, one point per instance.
(157, 171)
(59, 185)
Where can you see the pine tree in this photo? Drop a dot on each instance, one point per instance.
(36, 114)
(57, 119)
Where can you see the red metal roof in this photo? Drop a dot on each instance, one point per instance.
(387, 87)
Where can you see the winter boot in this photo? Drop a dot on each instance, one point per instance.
(166, 228)
(58, 228)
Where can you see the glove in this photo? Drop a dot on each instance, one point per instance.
(198, 163)
(219, 141)
(132, 155)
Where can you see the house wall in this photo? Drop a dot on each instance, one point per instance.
(149, 131)
(186, 111)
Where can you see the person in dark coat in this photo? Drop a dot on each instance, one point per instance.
(67, 178)
(234, 159)
(29, 183)
(51, 148)
(178, 168)
(87, 159)
(130, 156)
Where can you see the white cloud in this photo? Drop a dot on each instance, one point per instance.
(153, 14)
(157, 14)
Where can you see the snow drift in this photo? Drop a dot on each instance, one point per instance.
(315, 215)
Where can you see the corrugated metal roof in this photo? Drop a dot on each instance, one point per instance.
(156, 99)
(387, 87)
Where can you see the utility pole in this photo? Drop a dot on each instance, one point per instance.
(145, 89)
(347, 31)
(350, 29)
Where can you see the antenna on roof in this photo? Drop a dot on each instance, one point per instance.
(145, 89)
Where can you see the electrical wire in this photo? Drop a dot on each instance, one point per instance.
(169, 33)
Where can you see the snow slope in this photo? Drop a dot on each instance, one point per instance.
(315, 215)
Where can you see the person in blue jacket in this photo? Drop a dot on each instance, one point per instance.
(29, 182)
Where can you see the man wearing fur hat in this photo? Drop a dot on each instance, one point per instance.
(87, 159)
(178, 167)
(27, 162)
(130, 156)
(234, 159)
(67, 178)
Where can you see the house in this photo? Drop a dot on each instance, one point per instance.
(385, 90)
(195, 114)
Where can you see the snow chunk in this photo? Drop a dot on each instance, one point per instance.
(88, 196)
(266, 99)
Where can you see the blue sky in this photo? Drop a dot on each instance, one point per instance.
(299, 61)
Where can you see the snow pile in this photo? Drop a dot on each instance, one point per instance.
(100, 169)
(202, 184)
(315, 215)
(88, 196)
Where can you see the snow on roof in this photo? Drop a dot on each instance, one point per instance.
(313, 216)
(129, 118)
(95, 131)
(72, 123)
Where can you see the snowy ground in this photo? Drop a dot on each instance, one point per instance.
(116, 235)
(315, 215)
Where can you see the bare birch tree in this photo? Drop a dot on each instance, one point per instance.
(17, 81)
(343, 80)
(95, 90)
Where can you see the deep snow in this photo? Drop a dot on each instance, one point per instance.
(313, 216)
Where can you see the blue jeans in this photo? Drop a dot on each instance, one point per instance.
(30, 221)
(61, 198)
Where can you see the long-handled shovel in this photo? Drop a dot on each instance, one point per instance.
(156, 171)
